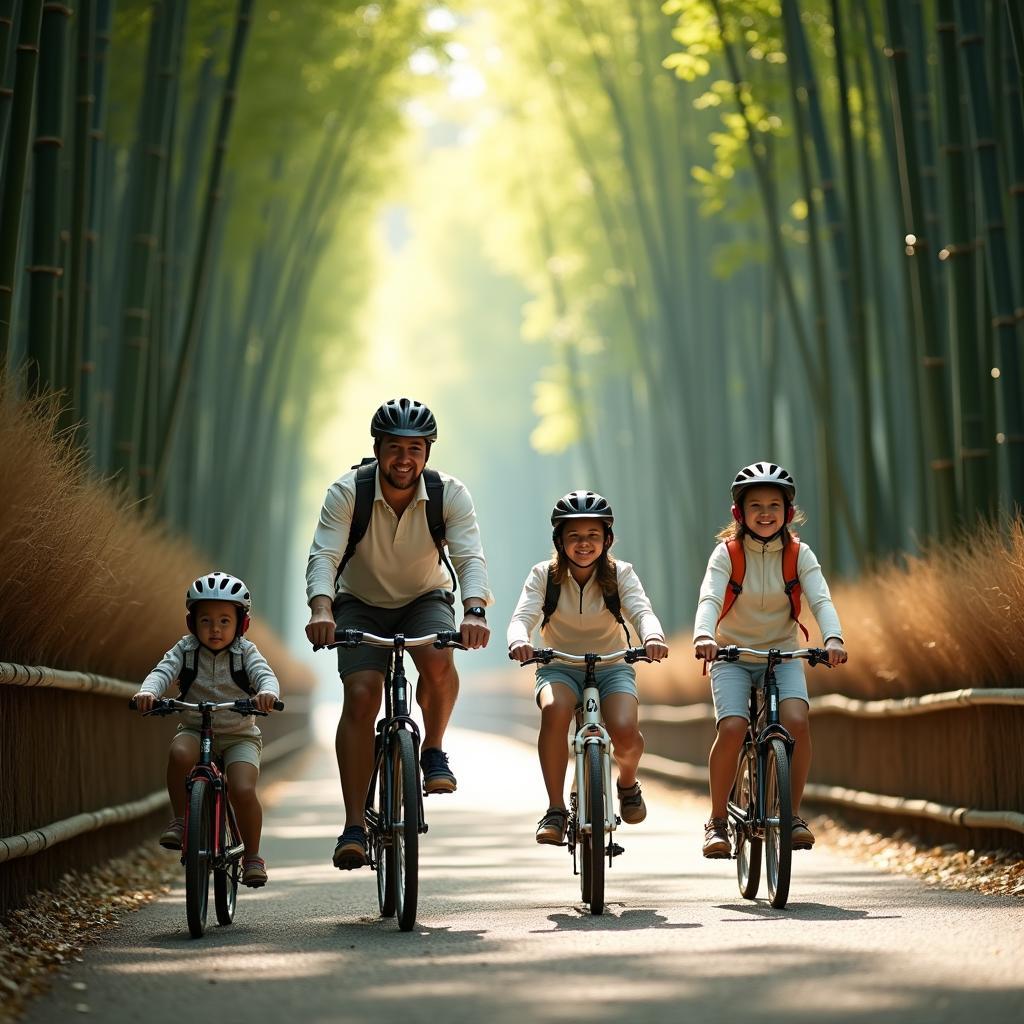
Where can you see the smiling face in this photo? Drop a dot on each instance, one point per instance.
(764, 510)
(583, 540)
(216, 623)
(401, 460)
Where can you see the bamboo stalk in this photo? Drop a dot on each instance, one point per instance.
(45, 337)
(26, 61)
(7, 11)
(997, 256)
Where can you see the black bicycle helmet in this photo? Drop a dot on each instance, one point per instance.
(582, 505)
(763, 473)
(403, 417)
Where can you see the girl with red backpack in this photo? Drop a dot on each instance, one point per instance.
(750, 597)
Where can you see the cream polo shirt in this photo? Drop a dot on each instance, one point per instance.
(581, 623)
(760, 617)
(396, 561)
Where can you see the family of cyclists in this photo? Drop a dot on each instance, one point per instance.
(393, 538)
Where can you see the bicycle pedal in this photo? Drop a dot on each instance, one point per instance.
(614, 850)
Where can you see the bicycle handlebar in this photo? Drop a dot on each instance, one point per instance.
(813, 655)
(544, 655)
(355, 637)
(170, 706)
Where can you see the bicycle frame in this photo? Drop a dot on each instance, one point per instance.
(590, 730)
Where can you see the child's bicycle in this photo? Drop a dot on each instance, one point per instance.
(394, 796)
(761, 806)
(592, 817)
(211, 839)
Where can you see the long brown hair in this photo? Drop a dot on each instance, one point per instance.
(605, 567)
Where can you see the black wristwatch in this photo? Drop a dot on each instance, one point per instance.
(476, 609)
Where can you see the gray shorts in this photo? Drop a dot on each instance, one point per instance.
(730, 685)
(611, 679)
(433, 612)
(231, 747)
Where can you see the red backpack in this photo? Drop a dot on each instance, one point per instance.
(790, 576)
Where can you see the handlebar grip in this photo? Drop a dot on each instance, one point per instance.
(279, 705)
(448, 636)
(132, 705)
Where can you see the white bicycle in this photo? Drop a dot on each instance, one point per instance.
(592, 817)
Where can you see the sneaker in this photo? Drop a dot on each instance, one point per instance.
(803, 837)
(254, 872)
(716, 839)
(350, 851)
(437, 776)
(551, 828)
(172, 836)
(632, 808)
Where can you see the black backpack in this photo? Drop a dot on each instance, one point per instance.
(611, 602)
(366, 475)
(190, 669)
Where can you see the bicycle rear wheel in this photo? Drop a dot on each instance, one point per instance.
(746, 846)
(778, 831)
(405, 835)
(225, 878)
(592, 842)
(197, 856)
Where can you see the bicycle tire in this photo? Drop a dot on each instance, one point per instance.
(405, 836)
(747, 847)
(592, 876)
(778, 836)
(197, 857)
(225, 879)
(383, 848)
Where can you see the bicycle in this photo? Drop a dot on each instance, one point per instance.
(760, 808)
(211, 839)
(394, 797)
(590, 801)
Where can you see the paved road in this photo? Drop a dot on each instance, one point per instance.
(501, 938)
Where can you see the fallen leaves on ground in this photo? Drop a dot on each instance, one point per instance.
(53, 927)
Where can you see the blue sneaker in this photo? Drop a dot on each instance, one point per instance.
(437, 776)
(350, 851)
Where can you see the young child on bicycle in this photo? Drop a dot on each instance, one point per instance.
(215, 662)
(757, 545)
(582, 598)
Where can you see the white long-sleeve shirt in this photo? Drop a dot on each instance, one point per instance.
(213, 681)
(397, 560)
(760, 616)
(581, 623)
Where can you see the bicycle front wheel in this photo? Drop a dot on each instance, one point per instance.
(198, 842)
(405, 822)
(747, 847)
(592, 842)
(378, 828)
(778, 832)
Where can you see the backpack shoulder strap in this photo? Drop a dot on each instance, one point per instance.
(238, 674)
(551, 594)
(366, 476)
(791, 578)
(189, 671)
(738, 563)
(614, 604)
(435, 518)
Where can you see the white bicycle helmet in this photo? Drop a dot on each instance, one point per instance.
(758, 473)
(219, 586)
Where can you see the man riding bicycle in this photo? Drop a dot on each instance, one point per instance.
(379, 562)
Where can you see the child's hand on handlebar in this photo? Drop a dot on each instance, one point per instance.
(143, 702)
(704, 648)
(836, 651)
(656, 649)
(521, 653)
(265, 701)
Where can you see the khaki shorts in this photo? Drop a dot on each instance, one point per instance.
(231, 748)
(431, 613)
